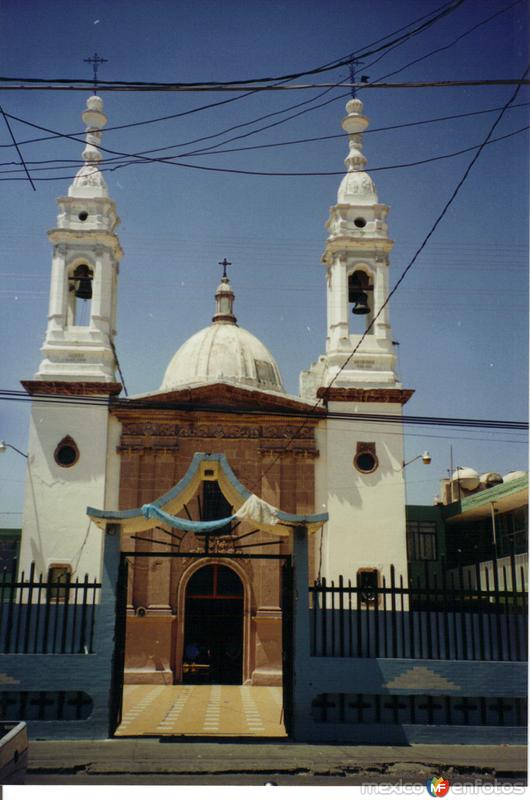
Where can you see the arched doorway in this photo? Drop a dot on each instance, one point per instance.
(213, 627)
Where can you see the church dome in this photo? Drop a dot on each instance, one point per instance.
(223, 353)
(357, 188)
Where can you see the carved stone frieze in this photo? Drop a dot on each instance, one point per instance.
(161, 435)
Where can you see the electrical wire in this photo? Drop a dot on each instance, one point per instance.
(447, 84)
(210, 105)
(313, 412)
(449, 45)
(345, 61)
(482, 22)
(15, 144)
(260, 173)
(405, 271)
(263, 146)
(432, 229)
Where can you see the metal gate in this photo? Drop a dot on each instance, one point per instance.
(121, 623)
(287, 644)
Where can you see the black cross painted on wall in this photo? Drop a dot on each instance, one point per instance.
(323, 703)
(42, 701)
(359, 705)
(430, 706)
(500, 707)
(8, 699)
(395, 705)
(79, 700)
(466, 707)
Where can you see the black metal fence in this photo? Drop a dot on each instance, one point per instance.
(474, 613)
(43, 616)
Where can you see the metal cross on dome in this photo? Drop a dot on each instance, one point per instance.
(96, 61)
(224, 264)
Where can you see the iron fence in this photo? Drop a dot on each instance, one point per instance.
(473, 613)
(43, 616)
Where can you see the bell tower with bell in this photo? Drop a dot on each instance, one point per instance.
(357, 261)
(359, 477)
(79, 340)
(72, 449)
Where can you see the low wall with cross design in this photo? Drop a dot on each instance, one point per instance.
(67, 696)
(400, 700)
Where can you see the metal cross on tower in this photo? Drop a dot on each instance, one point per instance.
(224, 264)
(364, 78)
(96, 61)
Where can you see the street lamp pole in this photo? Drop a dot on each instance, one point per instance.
(5, 445)
(425, 457)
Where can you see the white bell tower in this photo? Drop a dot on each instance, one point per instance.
(72, 448)
(357, 261)
(359, 475)
(79, 341)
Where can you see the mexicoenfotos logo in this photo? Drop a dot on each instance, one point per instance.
(437, 787)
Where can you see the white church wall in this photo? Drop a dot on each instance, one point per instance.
(366, 527)
(56, 529)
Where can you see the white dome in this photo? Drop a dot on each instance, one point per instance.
(357, 188)
(490, 479)
(512, 476)
(223, 353)
(467, 477)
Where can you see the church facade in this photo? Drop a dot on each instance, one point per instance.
(219, 433)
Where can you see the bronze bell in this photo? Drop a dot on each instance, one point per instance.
(360, 303)
(83, 282)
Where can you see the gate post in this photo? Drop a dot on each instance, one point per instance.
(301, 701)
(105, 630)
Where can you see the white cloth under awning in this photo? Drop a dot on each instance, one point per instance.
(258, 511)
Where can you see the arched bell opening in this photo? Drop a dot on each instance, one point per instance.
(214, 637)
(80, 283)
(360, 301)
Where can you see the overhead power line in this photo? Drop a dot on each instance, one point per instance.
(261, 173)
(449, 45)
(203, 85)
(433, 227)
(311, 413)
(382, 129)
(209, 106)
(448, 84)
(408, 267)
(15, 144)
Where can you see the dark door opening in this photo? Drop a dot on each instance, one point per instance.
(213, 629)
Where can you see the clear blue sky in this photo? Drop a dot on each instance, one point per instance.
(460, 316)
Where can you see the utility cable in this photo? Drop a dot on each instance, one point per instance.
(432, 229)
(310, 412)
(382, 129)
(446, 84)
(84, 83)
(113, 348)
(208, 106)
(259, 173)
(444, 47)
(405, 271)
(6, 120)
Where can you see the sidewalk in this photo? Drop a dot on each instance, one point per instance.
(165, 761)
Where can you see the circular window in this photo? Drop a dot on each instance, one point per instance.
(82, 216)
(66, 453)
(359, 222)
(365, 462)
